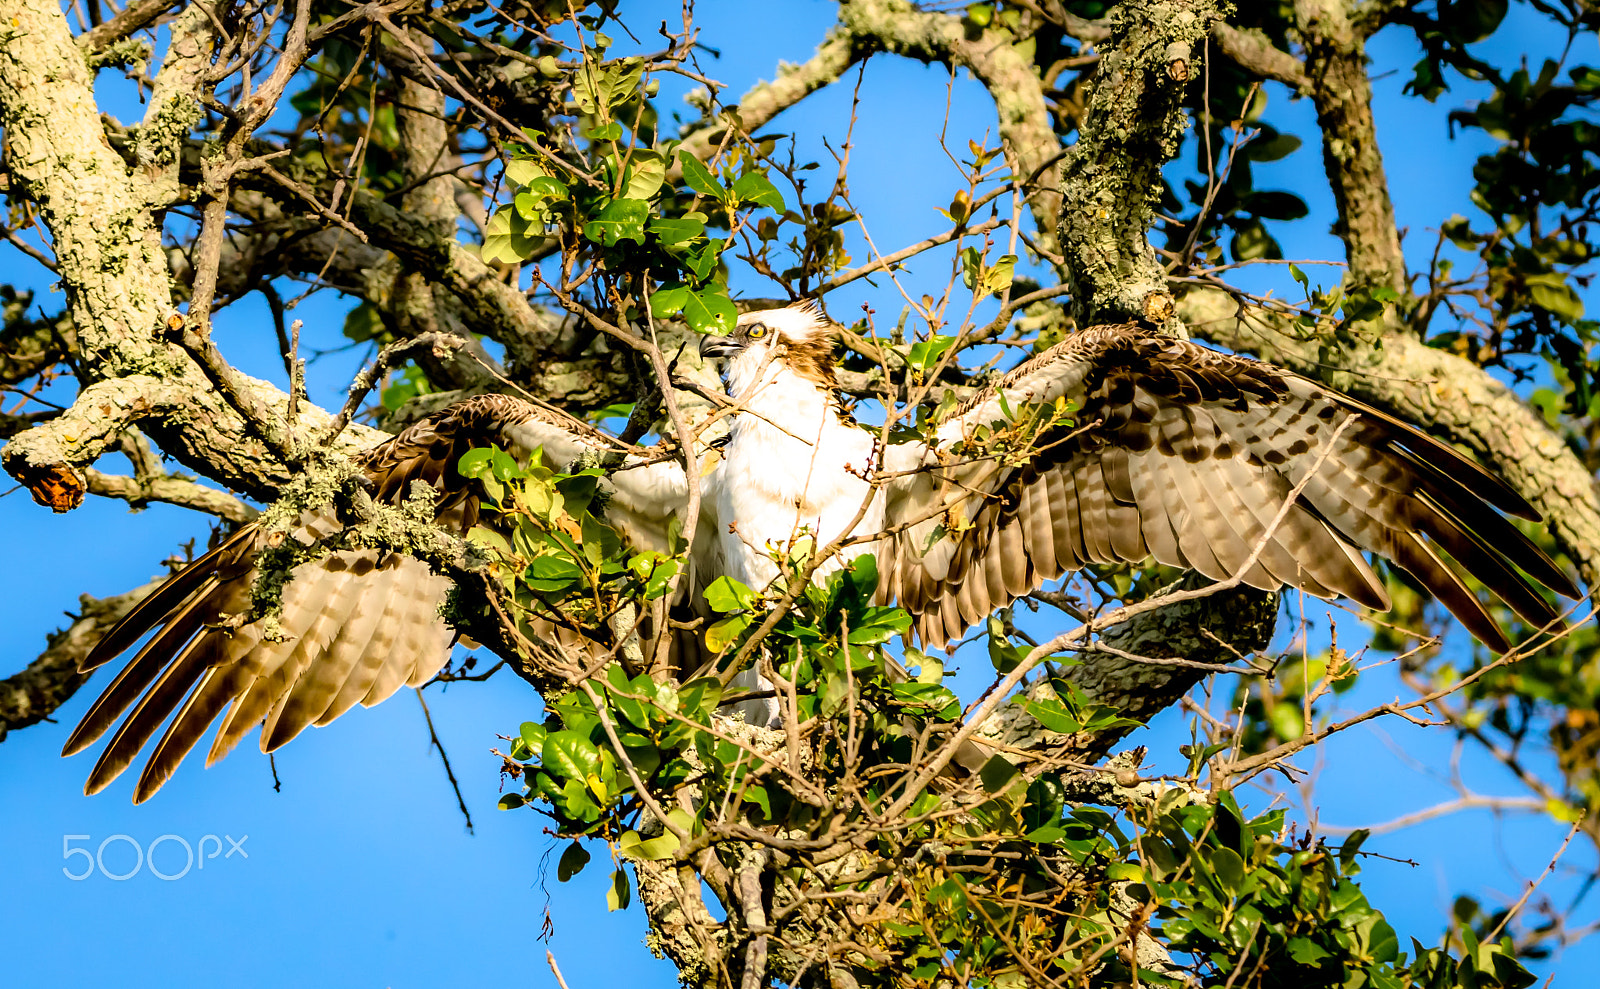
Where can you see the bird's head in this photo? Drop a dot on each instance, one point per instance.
(799, 335)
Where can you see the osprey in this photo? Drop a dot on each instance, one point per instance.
(1193, 457)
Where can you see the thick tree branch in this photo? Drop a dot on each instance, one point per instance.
(114, 272)
(1111, 181)
(135, 16)
(416, 305)
(1254, 53)
(1340, 89)
(139, 491)
(174, 107)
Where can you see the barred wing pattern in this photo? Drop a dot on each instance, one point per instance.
(356, 624)
(1187, 455)
(1179, 453)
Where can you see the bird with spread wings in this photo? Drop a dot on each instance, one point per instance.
(1140, 446)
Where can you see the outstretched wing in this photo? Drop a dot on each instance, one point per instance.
(356, 625)
(1187, 455)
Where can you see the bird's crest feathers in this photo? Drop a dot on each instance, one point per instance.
(800, 322)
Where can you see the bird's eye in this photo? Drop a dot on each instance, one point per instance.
(756, 331)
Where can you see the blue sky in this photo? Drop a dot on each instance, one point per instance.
(360, 872)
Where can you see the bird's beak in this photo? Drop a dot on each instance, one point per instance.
(715, 347)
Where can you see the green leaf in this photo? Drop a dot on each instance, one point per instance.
(1272, 148)
(533, 735)
(629, 707)
(1288, 723)
(971, 265)
(521, 171)
(997, 774)
(511, 801)
(1054, 716)
(1002, 653)
(948, 893)
(1351, 846)
(702, 261)
(572, 861)
(570, 755)
(646, 173)
(726, 594)
(710, 311)
(1471, 21)
(926, 353)
(753, 187)
(548, 188)
(1558, 299)
(508, 238)
(1306, 951)
(722, 634)
(758, 795)
(606, 85)
(699, 178)
(1124, 872)
(622, 219)
(408, 385)
(621, 892)
(547, 574)
(668, 300)
(672, 231)
(363, 323)
(698, 698)
(1562, 811)
(997, 278)
(1275, 205)
(632, 845)
(1252, 242)
(1229, 870)
(939, 698)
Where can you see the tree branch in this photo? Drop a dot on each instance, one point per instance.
(1254, 53)
(1111, 180)
(50, 681)
(897, 27)
(1337, 57)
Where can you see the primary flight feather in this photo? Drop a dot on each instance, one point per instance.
(1172, 451)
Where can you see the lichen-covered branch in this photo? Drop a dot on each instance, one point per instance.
(181, 491)
(1254, 53)
(1337, 73)
(114, 273)
(107, 247)
(135, 16)
(1111, 181)
(174, 107)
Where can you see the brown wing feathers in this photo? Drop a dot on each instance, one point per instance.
(1188, 457)
(358, 624)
